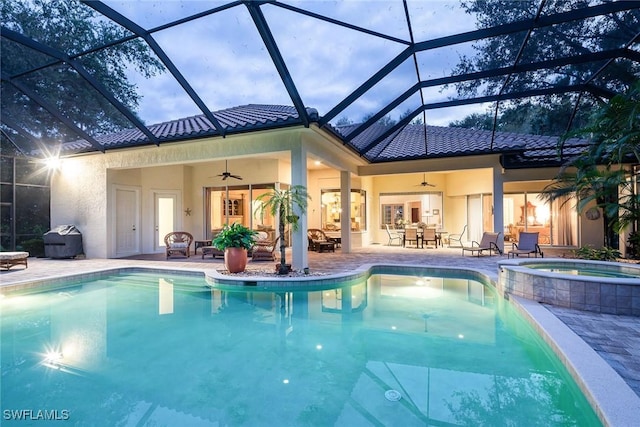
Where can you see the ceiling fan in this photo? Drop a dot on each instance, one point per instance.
(226, 174)
(424, 182)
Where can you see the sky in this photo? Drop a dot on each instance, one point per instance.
(224, 59)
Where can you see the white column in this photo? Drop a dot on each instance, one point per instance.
(498, 202)
(345, 215)
(299, 238)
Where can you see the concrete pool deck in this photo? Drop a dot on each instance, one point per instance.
(615, 339)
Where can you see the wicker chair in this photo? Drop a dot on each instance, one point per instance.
(178, 243)
(264, 248)
(319, 241)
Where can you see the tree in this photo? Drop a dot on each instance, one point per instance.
(568, 39)
(287, 205)
(417, 120)
(384, 121)
(344, 121)
(475, 121)
(527, 117)
(598, 174)
(72, 28)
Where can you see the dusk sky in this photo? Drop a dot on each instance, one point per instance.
(224, 59)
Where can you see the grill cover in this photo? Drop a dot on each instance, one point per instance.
(63, 241)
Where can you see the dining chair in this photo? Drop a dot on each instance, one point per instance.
(411, 235)
(393, 235)
(429, 235)
(457, 238)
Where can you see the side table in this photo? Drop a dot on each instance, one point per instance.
(199, 244)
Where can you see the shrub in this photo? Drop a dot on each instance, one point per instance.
(602, 254)
(35, 247)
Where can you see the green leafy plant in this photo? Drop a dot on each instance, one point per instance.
(287, 205)
(634, 245)
(601, 254)
(35, 247)
(235, 235)
(601, 174)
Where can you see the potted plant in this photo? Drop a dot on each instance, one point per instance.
(235, 240)
(287, 205)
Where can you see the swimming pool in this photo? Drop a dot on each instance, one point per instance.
(167, 349)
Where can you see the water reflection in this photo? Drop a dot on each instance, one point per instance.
(152, 349)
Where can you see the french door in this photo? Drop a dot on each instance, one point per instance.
(166, 217)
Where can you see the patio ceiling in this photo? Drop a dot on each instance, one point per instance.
(333, 62)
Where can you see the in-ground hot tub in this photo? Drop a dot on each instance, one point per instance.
(599, 286)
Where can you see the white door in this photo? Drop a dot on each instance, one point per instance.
(127, 221)
(166, 217)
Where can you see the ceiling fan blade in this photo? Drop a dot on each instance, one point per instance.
(235, 176)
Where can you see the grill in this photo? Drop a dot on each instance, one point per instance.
(63, 241)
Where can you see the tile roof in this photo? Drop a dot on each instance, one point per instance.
(234, 120)
(410, 142)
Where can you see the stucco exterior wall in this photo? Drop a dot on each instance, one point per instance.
(79, 196)
(81, 191)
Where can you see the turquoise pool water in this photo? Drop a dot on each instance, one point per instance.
(584, 270)
(146, 349)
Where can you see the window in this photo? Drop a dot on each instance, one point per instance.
(556, 223)
(393, 215)
(400, 209)
(241, 207)
(332, 210)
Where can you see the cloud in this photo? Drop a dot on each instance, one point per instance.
(225, 60)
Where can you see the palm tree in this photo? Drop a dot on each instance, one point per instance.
(287, 205)
(600, 173)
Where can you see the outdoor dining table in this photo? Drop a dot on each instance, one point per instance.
(439, 235)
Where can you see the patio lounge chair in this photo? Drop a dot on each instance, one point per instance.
(457, 238)
(320, 242)
(527, 245)
(393, 235)
(489, 242)
(264, 249)
(9, 259)
(178, 243)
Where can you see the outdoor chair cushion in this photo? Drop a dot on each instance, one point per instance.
(9, 259)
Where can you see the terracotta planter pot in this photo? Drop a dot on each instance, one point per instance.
(235, 259)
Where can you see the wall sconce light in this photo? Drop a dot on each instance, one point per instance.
(53, 163)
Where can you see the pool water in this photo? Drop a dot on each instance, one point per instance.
(583, 271)
(142, 349)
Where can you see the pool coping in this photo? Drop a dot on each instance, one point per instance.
(322, 281)
(613, 400)
(615, 403)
